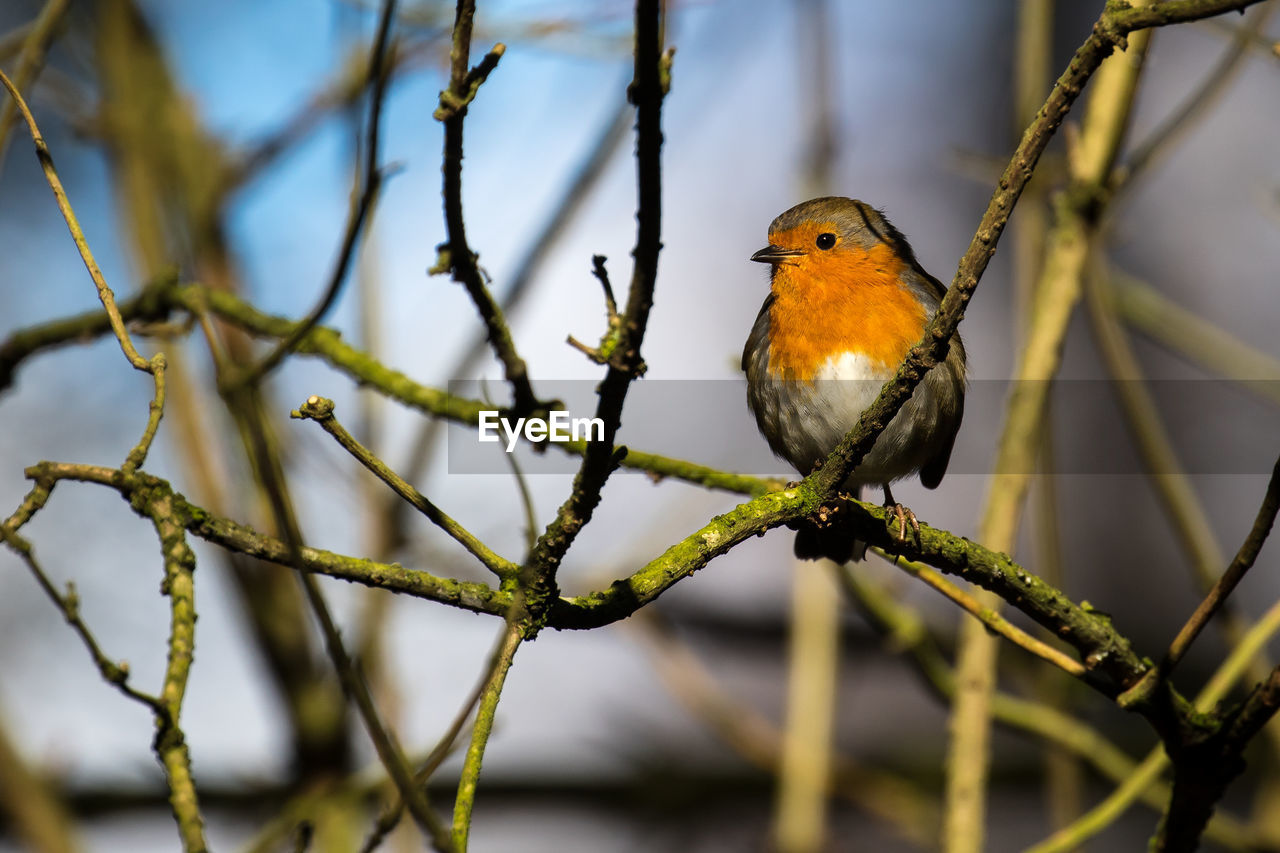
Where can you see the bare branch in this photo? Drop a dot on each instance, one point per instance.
(156, 365)
(35, 44)
(320, 410)
(360, 212)
(458, 258)
(648, 88)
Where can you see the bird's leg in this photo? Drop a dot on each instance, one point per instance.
(827, 515)
(903, 514)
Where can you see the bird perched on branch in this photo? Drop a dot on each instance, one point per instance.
(847, 301)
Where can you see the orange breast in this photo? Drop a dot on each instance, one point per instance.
(844, 300)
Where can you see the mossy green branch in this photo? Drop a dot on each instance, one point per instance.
(602, 456)
(78, 328)
(682, 559)
(179, 571)
(155, 501)
(1108, 656)
(486, 710)
(320, 409)
(325, 343)
(152, 499)
(1109, 659)
(141, 488)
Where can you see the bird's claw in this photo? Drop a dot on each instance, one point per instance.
(903, 516)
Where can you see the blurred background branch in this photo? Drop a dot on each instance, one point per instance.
(691, 754)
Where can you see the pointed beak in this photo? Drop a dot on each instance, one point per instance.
(772, 254)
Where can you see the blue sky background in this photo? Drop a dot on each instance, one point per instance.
(919, 89)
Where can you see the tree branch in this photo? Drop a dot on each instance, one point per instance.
(905, 632)
(1240, 564)
(480, 731)
(460, 260)
(156, 365)
(327, 344)
(1110, 32)
(987, 616)
(35, 46)
(359, 214)
(115, 674)
(648, 88)
(320, 410)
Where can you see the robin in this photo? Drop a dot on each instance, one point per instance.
(847, 301)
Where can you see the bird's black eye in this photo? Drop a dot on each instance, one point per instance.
(826, 240)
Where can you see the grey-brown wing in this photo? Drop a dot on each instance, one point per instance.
(951, 376)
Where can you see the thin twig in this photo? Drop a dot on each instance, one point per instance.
(1164, 138)
(480, 732)
(273, 601)
(612, 336)
(990, 619)
(155, 411)
(77, 234)
(601, 273)
(1215, 690)
(648, 88)
(320, 410)
(444, 746)
(35, 45)
(526, 503)
(522, 487)
(245, 404)
(576, 192)
(359, 213)
(115, 674)
(1171, 484)
(270, 477)
(156, 365)
(1240, 564)
(464, 83)
(384, 740)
